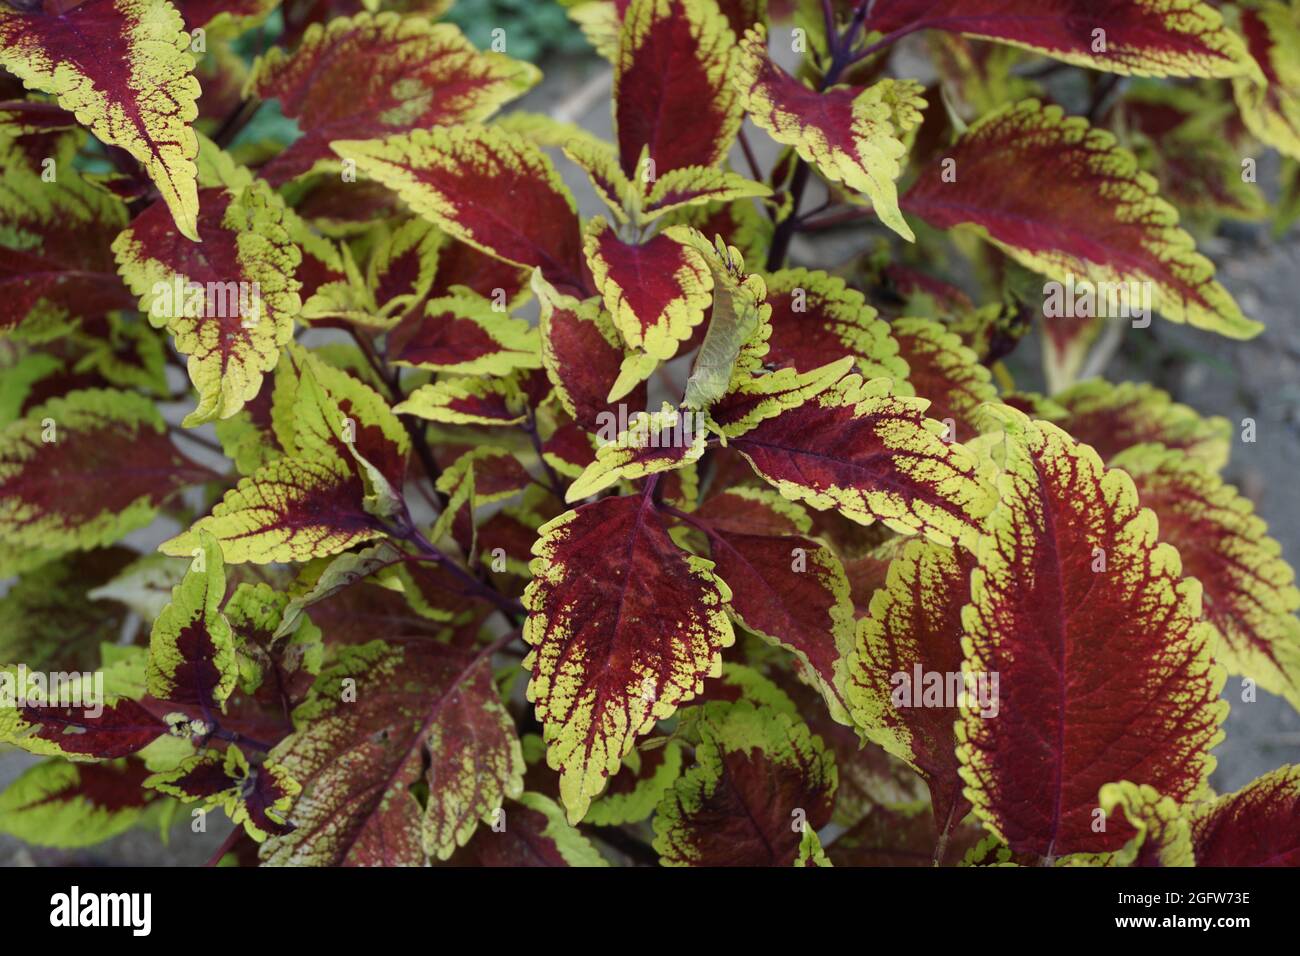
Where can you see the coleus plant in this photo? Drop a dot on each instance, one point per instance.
(507, 536)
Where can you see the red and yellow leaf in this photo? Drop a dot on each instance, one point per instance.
(192, 648)
(61, 804)
(84, 470)
(1270, 103)
(468, 400)
(1250, 593)
(871, 456)
(908, 653)
(256, 797)
(624, 627)
(1072, 592)
(124, 68)
(229, 301)
(1259, 825)
(535, 834)
(582, 354)
(816, 319)
(760, 782)
(494, 190)
(853, 136)
(656, 291)
(652, 443)
(1114, 416)
(944, 371)
(672, 96)
(388, 716)
(1139, 37)
(347, 451)
(1064, 200)
(103, 730)
(467, 335)
(56, 261)
(374, 75)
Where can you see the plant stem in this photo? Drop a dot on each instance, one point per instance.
(942, 845)
(394, 383)
(197, 439)
(235, 737)
(749, 155)
(628, 845)
(234, 123)
(227, 845)
(552, 479)
(508, 606)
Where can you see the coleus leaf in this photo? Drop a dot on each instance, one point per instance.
(497, 474)
(52, 618)
(534, 834)
(638, 787)
(347, 455)
(292, 509)
(390, 715)
(1130, 235)
(61, 804)
(599, 161)
(940, 368)
(788, 589)
(192, 649)
(739, 223)
(852, 135)
(229, 302)
(342, 572)
(321, 411)
(903, 835)
(1114, 416)
(656, 290)
(907, 648)
(694, 186)
(256, 797)
(1072, 592)
(235, 16)
(624, 627)
(468, 400)
(569, 449)
(582, 354)
(368, 76)
(642, 200)
(1259, 825)
(652, 443)
(816, 319)
(1250, 594)
(83, 470)
(56, 261)
(104, 730)
(469, 336)
(1270, 101)
(489, 188)
(871, 456)
(672, 98)
(1144, 38)
(1180, 134)
(464, 268)
(1163, 834)
(760, 780)
(124, 68)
